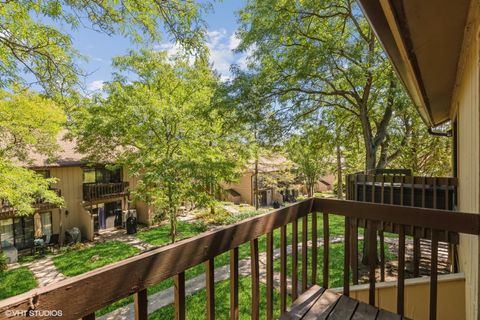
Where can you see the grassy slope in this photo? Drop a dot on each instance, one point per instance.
(195, 304)
(16, 281)
(76, 262)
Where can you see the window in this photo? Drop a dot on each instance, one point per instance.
(89, 175)
(46, 218)
(44, 173)
(24, 232)
(6, 233)
(101, 175)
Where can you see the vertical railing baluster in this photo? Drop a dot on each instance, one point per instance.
(354, 244)
(424, 184)
(372, 259)
(314, 248)
(401, 270)
(304, 253)
(269, 272)
(179, 295)
(234, 313)
(140, 302)
(283, 269)
(382, 254)
(326, 249)
(210, 288)
(295, 259)
(364, 195)
(346, 258)
(433, 275)
(434, 192)
(416, 253)
(255, 272)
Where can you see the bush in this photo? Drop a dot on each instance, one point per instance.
(3, 261)
(219, 217)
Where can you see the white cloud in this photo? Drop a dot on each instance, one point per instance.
(221, 45)
(95, 85)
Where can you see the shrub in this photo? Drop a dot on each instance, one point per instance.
(3, 261)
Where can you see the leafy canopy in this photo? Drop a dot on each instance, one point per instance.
(29, 123)
(162, 126)
(35, 49)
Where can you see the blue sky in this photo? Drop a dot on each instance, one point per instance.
(99, 48)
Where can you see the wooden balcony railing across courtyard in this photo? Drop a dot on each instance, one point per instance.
(6, 210)
(81, 296)
(97, 191)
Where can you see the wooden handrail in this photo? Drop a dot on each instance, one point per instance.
(78, 296)
(411, 216)
(95, 191)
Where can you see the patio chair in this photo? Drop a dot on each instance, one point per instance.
(54, 242)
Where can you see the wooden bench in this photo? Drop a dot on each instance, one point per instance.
(320, 303)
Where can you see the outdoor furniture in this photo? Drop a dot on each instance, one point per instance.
(54, 242)
(39, 245)
(320, 303)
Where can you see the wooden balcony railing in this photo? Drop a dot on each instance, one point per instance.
(417, 191)
(98, 191)
(78, 296)
(7, 210)
(399, 187)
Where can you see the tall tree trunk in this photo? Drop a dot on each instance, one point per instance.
(339, 173)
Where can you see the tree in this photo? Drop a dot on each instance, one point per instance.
(324, 54)
(255, 117)
(31, 45)
(160, 124)
(311, 151)
(29, 123)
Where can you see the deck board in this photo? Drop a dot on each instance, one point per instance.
(303, 303)
(322, 304)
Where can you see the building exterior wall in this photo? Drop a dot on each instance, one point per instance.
(145, 213)
(244, 188)
(466, 102)
(70, 182)
(450, 303)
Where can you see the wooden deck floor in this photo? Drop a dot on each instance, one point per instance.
(320, 303)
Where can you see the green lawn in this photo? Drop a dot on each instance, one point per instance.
(336, 224)
(336, 228)
(76, 262)
(196, 304)
(161, 235)
(16, 281)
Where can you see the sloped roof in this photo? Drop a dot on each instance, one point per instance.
(67, 155)
(270, 164)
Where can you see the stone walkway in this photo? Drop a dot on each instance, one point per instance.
(121, 235)
(164, 298)
(45, 271)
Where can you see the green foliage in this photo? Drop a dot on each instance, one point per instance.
(163, 128)
(29, 123)
(161, 235)
(31, 44)
(321, 60)
(3, 262)
(195, 304)
(312, 152)
(76, 262)
(16, 281)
